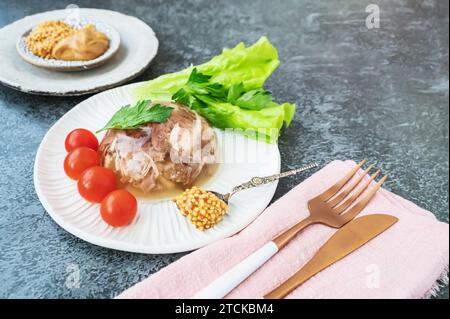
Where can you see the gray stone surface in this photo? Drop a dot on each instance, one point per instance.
(380, 94)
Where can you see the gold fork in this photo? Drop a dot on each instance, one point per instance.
(332, 208)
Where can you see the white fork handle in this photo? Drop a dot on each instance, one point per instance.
(220, 287)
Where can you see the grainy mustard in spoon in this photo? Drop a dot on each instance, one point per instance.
(202, 208)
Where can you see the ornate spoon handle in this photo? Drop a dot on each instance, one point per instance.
(257, 181)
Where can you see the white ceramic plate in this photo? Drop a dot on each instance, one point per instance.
(61, 65)
(158, 227)
(138, 47)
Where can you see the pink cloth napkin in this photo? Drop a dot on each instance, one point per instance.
(403, 262)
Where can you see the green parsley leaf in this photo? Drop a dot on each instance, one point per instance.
(131, 117)
(217, 90)
(198, 86)
(198, 83)
(182, 96)
(195, 88)
(254, 100)
(235, 92)
(197, 77)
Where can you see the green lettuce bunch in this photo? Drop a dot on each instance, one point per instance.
(228, 90)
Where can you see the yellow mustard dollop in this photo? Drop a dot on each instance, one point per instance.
(81, 45)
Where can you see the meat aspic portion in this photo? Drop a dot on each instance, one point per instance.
(158, 155)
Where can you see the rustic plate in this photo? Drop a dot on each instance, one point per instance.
(159, 227)
(61, 65)
(138, 47)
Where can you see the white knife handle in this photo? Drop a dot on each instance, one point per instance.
(220, 287)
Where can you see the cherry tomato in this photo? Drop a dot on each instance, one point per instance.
(78, 160)
(118, 208)
(80, 137)
(95, 183)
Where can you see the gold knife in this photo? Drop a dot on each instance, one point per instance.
(344, 241)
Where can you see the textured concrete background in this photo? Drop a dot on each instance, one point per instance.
(380, 94)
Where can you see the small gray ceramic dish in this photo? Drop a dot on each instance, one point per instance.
(61, 65)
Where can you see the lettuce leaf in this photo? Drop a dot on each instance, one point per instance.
(250, 66)
(266, 122)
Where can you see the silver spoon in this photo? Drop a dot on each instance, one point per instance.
(258, 181)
